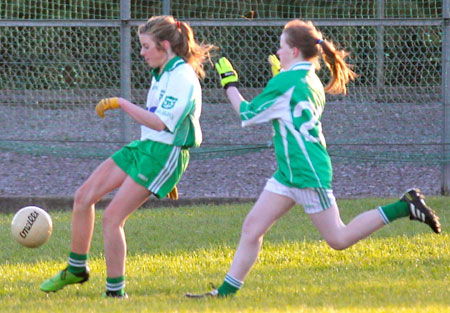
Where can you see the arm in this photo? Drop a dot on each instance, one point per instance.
(229, 79)
(139, 114)
(235, 98)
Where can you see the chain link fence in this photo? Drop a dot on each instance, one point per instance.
(59, 58)
(220, 9)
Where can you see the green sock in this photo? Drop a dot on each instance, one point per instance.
(394, 211)
(226, 289)
(229, 286)
(77, 263)
(116, 285)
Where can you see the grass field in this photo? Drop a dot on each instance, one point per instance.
(402, 268)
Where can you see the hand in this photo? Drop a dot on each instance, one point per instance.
(274, 64)
(106, 104)
(173, 195)
(228, 75)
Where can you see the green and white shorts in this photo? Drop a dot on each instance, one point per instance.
(154, 165)
(313, 200)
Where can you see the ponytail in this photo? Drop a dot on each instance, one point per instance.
(193, 53)
(305, 37)
(340, 71)
(181, 38)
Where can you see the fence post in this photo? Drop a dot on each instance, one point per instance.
(125, 62)
(166, 9)
(445, 189)
(380, 51)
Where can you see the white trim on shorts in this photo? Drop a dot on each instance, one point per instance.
(166, 171)
(313, 200)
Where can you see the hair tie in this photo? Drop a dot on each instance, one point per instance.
(319, 41)
(178, 24)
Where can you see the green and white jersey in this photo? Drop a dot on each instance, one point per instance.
(175, 96)
(294, 101)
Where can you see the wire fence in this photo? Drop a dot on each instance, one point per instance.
(59, 58)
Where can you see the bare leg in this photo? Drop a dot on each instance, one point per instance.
(268, 209)
(340, 236)
(129, 197)
(107, 177)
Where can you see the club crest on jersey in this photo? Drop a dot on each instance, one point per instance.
(169, 102)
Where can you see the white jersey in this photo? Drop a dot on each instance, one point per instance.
(175, 97)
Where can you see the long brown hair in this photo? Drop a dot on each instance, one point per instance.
(181, 38)
(309, 40)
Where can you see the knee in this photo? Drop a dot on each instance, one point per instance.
(82, 198)
(250, 231)
(337, 243)
(109, 222)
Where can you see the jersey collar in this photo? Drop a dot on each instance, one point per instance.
(171, 65)
(302, 65)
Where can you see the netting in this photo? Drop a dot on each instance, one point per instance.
(220, 9)
(52, 76)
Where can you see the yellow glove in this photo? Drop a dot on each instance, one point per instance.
(106, 104)
(228, 75)
(274, 64)
(173, 195)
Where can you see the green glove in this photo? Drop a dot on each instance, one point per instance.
(274, 64)
(228, 75)
(106, 104)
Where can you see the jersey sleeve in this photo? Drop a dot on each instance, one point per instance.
(272, 103)
(176, 102)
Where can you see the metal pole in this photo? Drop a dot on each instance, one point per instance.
(445, 189)
(166, 9)
(380, 51)
(125, 62)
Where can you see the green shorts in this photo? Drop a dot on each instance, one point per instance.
(154, 165)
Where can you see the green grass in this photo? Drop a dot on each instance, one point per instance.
(402, 268)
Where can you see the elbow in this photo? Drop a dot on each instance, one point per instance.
(156, 123)
(160, 126)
